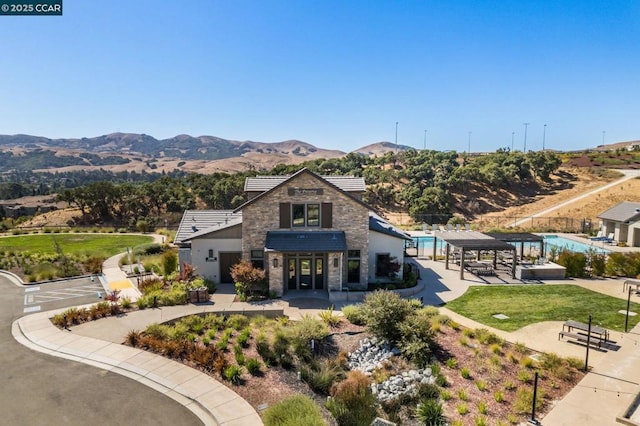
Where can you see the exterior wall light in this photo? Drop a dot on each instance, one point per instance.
(335, 262)
(275, 262)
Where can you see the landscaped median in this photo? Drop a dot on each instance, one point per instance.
(530, 304)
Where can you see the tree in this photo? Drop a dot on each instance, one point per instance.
(169, 262)
(247, 277)
(385, 311)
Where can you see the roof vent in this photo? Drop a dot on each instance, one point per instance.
(193, 228)
(637, 210)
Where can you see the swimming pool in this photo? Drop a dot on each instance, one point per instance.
(426, 243)
(575, 246)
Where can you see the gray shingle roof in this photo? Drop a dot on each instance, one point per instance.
(623, 212)
(378, 224)
(265, 183)
(199, 222)
(306, 241)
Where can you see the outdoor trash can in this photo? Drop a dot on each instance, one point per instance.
(193, 295)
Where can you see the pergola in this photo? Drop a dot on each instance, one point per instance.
(467, 241)
(519, 237)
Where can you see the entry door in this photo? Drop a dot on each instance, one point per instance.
(227, 260)
(319, 273)
(306, 269)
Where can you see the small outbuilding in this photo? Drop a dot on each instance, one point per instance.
(621, 223)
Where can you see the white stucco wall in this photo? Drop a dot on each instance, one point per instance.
(381, 244)
(200, 251)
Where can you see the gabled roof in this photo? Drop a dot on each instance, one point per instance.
(623, 212)
(292, 177)
(196, 223)
(265, 183)
(378, 224)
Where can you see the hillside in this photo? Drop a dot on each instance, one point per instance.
(118, 152)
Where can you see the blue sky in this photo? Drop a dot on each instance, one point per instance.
(337, 74)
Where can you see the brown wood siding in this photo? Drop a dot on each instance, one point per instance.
(327, 215)
(285, 215)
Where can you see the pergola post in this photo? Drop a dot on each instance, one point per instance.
(435, 245)
(513, 265)
(462, 252)
(446, 257)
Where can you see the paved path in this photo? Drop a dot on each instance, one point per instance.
(628, 174)
(604, 393)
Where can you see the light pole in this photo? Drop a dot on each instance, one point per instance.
(513, 135)
(396, 137)
(544, 135)
(525, 137)
(469, 144)
(425, 139)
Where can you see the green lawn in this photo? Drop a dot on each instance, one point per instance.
(529, 304)
(93, 244)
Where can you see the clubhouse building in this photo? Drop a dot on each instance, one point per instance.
(308, 232)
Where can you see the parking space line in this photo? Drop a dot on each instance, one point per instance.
(31, 309)
(30, 289)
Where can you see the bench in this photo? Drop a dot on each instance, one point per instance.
(580, 337)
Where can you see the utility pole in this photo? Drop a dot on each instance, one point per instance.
(544, 135)
(513, 135)
(396, 137)
(525, 137)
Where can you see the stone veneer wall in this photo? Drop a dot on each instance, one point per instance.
(348, 216)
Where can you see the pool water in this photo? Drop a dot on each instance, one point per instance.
(572, 245)
(426, 243)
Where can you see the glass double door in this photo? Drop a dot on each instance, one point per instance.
(306, 271)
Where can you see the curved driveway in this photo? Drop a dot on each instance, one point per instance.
(38, 389)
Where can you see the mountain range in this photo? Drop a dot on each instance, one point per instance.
(118, 151)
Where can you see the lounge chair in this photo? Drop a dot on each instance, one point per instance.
(599, 237)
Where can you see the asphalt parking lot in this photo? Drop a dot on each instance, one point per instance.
(39, 389)
(61, 294)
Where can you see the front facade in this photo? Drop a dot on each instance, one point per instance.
(622, 223)
(306, 231)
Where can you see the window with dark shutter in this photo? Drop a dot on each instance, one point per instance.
(327, 215)
(285, 215)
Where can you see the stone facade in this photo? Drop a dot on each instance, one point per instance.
(262, 215)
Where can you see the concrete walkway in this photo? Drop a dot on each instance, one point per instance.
(604, 394)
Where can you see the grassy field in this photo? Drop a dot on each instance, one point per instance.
(529, 304)
(93, 244)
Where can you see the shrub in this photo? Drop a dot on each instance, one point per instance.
(527, 362)
(430, 412)
(417, 338)
(524, 376)
(465, 373)
(482, 407)
(428, 391)
(508, 385)
(452, 363)
(293, 411)
(462, 394)
(575, 263)
(239, 355)
(133, 337)
(445, 395)
(481, 385)
(462, 409)
(169, 262)
(246, 277)
(352, 401)
(498, 396)
(480, 421)
(253, 366)
(321, 378)
(237, 321)
(125, 302)
(524, 400)
(329, 317)
(305, 330)
(243, 337)
(385, 312)
(233, 374)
